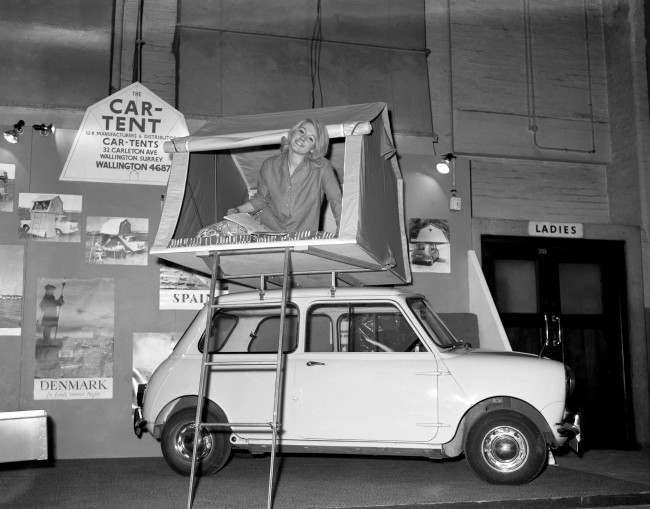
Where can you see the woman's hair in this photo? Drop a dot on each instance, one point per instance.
(321, 144)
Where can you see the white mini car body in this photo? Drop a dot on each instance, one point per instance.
(367, 371)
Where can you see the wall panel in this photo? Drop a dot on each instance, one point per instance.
(539, 190)
(58, 53)
(247, 74)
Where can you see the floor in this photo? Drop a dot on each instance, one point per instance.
(599, 479)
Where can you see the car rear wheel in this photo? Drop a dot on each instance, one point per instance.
(177, 441)
(506, 448)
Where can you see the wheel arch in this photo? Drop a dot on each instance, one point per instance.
(179, 404)
(457, 444)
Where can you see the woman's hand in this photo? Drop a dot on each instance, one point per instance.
(233, 211)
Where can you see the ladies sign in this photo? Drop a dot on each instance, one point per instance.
(121, 139)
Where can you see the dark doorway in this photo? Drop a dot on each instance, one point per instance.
(570, 292)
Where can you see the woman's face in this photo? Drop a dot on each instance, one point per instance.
(303, 139)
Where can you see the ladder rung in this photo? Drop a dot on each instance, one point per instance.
(241, 363)
(236, 424)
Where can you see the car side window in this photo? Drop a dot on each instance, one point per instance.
(264, 339)
(320, 333)
(360, 327)
(222, 326)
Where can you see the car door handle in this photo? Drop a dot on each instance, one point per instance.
(315, 363)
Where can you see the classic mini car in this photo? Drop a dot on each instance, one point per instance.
(367, 371)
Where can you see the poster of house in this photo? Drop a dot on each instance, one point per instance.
(7, 186)
(50, 217)
(149, 350)
(117, 240)
(74, 338)
(181, 289)
(429, 245)
(11, 289)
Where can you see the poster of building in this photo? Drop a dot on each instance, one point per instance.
(117, 240)
(7, 187)
(74, 338)
(180, 289)
(429, 245)
(11, 289)
(50, 217)
(149, 350)
(121, 138)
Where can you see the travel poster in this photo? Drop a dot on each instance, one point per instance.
(74, 338)
(11, 289)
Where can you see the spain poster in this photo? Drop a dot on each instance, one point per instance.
(74, 338)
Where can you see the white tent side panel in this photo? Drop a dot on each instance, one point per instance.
(371, 246)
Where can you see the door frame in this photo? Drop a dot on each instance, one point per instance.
(638, 346)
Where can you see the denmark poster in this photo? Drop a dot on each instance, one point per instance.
(74, 338)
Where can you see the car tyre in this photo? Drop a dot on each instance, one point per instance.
(177, 438)
(504, 447)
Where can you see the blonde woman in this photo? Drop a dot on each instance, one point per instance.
(292, 185)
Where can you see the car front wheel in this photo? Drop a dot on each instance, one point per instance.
(177, 441)
(506, 448)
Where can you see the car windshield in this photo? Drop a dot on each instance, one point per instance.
(438, 331)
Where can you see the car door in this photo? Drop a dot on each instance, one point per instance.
(364, 375)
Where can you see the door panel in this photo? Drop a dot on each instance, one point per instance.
(346, 396)
(571, 292)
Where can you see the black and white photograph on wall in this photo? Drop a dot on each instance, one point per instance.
(429, 248)
(7, 186)
(74, 338)
(182, 289)
(50, 217)
(149, 350)
(117, 240)
(11, 289)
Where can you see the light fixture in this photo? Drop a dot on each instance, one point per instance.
(444, 166)
(14, 133)
(44, 129)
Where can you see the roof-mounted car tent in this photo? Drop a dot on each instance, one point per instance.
(216, 168)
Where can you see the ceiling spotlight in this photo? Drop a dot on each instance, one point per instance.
(44, 129)
(13, 134)
(444, 166)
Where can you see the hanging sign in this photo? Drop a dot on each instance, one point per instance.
(550, 229)
(121, 139)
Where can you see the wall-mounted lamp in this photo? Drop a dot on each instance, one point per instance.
(12, 135)
(44, 129)
(444, 166)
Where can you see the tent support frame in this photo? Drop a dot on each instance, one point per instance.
(274, 425)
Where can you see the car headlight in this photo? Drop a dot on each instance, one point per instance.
(569, 381)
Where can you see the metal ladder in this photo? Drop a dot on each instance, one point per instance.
(274, 425)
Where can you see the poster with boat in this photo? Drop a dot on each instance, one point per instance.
(11, 289)
(117, 240)
(50, 217)
(74, 338)
(7, 186)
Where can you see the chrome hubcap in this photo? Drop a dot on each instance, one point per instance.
(505, 448)
(185, 442)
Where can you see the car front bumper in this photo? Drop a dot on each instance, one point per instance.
(571, 430)
(139, 423)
